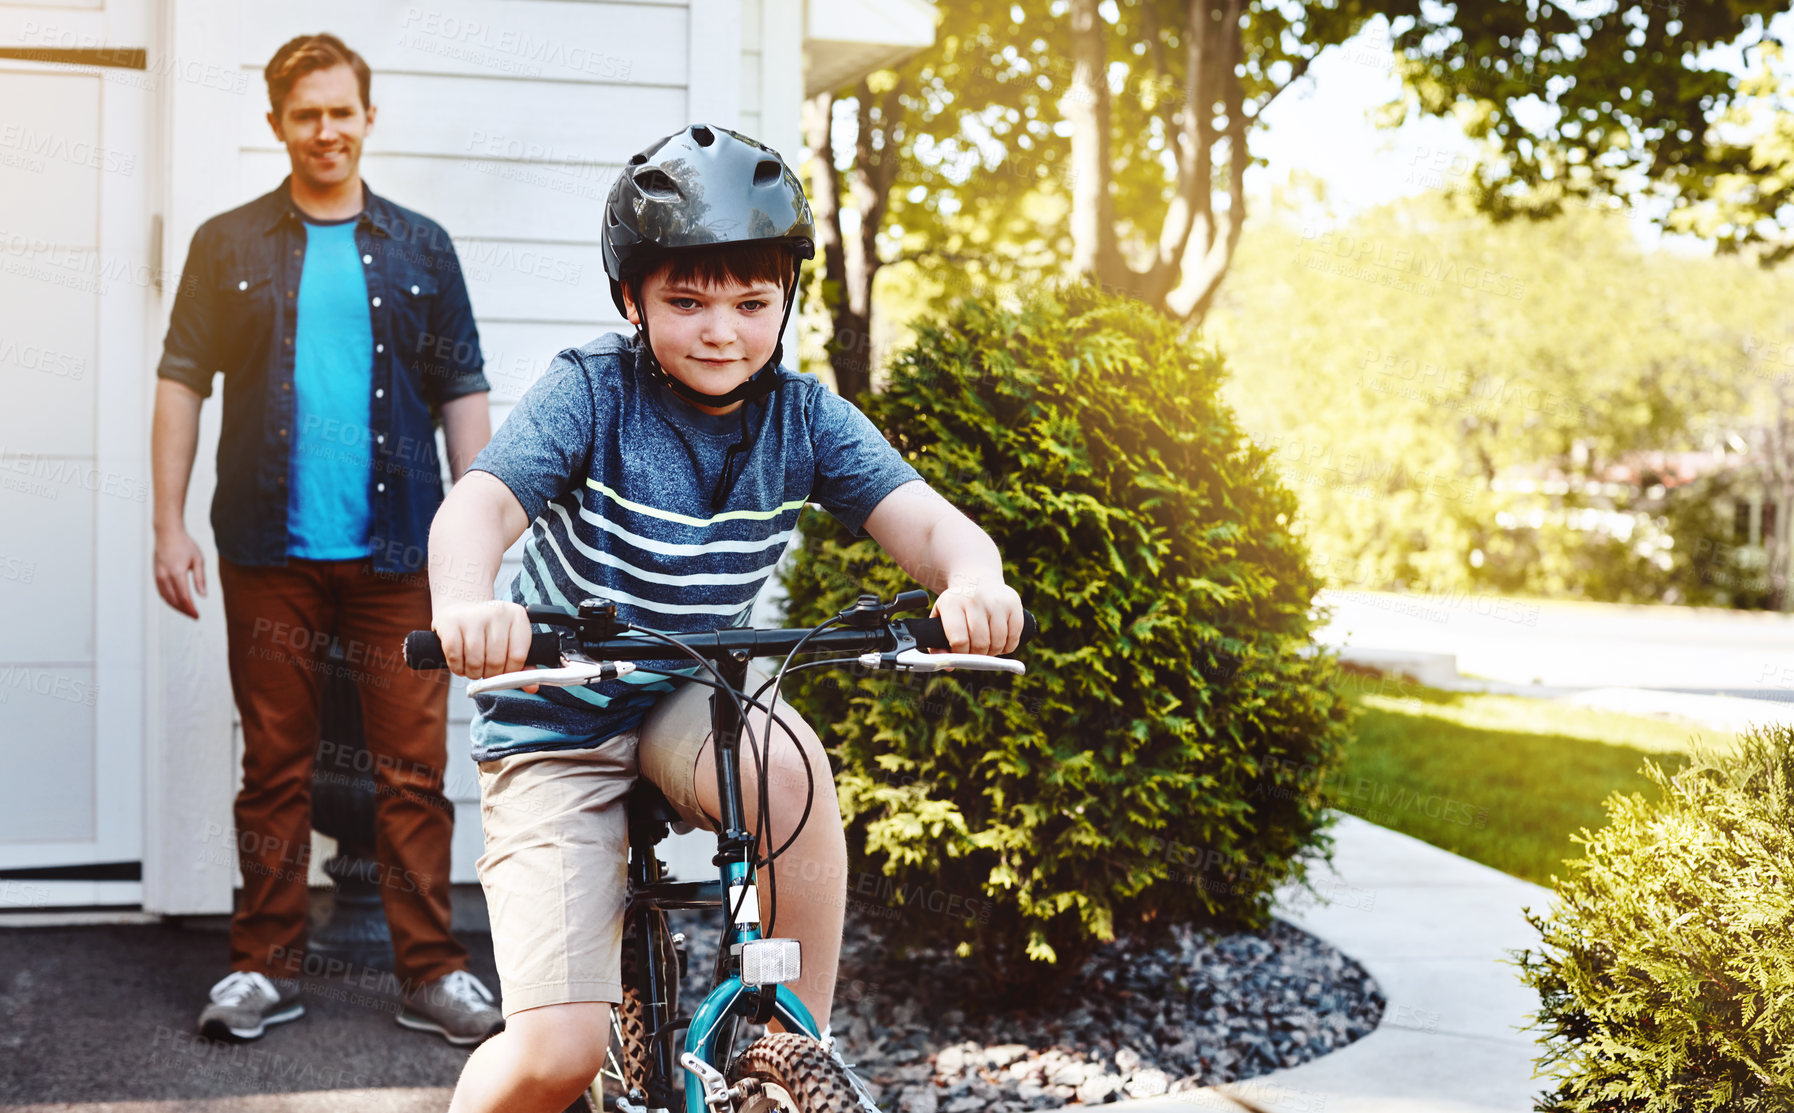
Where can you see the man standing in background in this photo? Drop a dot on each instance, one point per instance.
(328, 310)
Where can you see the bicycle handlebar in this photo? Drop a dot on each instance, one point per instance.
(423, 649)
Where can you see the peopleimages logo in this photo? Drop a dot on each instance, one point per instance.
(79, 268)
(510, 43)
(48, 477)
(43, 682)
(1351, 254)
(36, 357)
(60, 148)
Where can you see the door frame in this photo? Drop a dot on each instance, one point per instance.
(49, 41)
(189, 862)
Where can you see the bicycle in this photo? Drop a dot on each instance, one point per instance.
(793, 1071)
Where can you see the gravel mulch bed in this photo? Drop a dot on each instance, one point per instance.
(1201, 1009)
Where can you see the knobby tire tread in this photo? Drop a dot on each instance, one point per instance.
(803, 1067)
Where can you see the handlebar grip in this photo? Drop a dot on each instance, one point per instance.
(929, 634)
(423, 649)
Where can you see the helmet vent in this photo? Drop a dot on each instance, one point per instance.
(655, 183)
(704, 136)
(767, 172)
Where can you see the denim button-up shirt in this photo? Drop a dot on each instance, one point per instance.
(236, 314)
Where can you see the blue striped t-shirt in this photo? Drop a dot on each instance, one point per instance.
(616, 475)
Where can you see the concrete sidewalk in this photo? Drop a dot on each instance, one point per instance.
(1434, 929)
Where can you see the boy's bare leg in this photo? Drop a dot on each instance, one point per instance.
(543, 1059)
(811, 876)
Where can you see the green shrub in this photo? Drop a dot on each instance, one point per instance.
(1163, 759)
(1666, 973)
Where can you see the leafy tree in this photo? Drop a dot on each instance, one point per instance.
(1629, 101)
(1044, 136)
(969, 156)
(1007, 110)
(1407, 364)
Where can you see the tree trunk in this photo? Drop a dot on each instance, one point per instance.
(1205, 262)
(850, 346)
(1775, 559)
(1192, 254)
(1778, 486)
(869, 182)
(1086, 108)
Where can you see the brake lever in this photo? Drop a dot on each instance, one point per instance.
(915, 660)
(576, 674)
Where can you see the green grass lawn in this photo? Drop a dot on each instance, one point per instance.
(1502, 780)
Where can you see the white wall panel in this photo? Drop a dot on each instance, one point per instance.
(47, 750)
(517, 353)
(750, 78)
(498, 118)
(545, 202)
(635, 43)
(47, 557)
(48, 325)
(715, 63)
(50, 148)
(525, 281)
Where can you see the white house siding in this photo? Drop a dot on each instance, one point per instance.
(505, 122)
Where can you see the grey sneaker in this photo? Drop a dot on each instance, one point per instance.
(245, 1003)
(458, 1007)
(867, 1104)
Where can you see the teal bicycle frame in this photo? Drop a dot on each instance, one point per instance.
(868, 630)
(734, 890)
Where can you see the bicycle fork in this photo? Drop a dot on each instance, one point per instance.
(757, 966)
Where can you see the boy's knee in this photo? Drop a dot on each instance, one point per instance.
(567, 1042)
(799, 770)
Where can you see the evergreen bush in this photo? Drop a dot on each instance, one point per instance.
(1163, 759)
(1666, 968)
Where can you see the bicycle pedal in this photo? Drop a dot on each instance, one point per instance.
(770, 961)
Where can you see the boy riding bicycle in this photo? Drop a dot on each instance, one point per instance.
(664, 472)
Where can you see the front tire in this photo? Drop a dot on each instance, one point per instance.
(792, 1073)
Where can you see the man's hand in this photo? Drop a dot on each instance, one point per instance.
(177, 557)
(484, 639)
(980, 617)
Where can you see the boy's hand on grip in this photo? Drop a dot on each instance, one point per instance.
(978, 617)
(485, 639)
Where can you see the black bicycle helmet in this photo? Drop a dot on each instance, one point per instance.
(702, 187)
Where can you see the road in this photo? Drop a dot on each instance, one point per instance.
(1578, 645)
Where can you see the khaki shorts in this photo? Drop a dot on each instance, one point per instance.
(555, 867)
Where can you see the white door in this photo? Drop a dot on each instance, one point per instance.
(76, 287)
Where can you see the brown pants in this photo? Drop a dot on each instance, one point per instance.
(280, 620)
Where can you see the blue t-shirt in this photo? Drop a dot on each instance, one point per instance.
(329, 506)
(616, 475)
